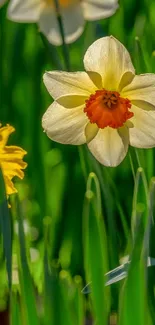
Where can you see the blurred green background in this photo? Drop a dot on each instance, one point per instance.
(69, 227)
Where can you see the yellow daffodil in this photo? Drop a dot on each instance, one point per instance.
(11, 161)
(73, 12)
(108, 106)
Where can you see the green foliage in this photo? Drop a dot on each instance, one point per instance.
(74, 220)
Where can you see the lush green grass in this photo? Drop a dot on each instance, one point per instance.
(74, 219)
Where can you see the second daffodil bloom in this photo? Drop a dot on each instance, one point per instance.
(73, 12)
(108, 106)
(11, 161)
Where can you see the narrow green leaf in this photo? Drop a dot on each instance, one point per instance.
(140, 61)
(79, 301)
(15, 315)
(95, 250)
(56, 297)
(68, 316)
(133, 299)
(53, 53)
(5, 223)
(150, 245)
(28, 300)
(140, 201)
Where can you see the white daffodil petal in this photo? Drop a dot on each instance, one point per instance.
(110, 59)
(25, 10)
(72, 101)
(2, 2)
(90, 131)
(98, 9)
(65, 125)
(141, 91)
(110, 146)
(60, 83)
(73, 22)
(142, 134)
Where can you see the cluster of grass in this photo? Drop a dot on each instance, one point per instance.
(74, 220)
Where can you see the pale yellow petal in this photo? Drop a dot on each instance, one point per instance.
(126, 79)
(91, 131)
(110, 59)
(98, 9)
(73, 22)
(61, 83)
(96, 79)
(65, 125)
(72, 101)
(141, 91)
(25, 10)
(142, 134)
(110, 146)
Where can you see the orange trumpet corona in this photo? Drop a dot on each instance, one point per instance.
(107, 108)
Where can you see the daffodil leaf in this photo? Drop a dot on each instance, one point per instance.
(5, 223)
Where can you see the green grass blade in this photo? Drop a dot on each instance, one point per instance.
(133, 297)
(140, 200)
(150, 235)
(56, 297)
(15, 315)
(79, 301)
(28, 300)
(5, 223)
(95, 250)
(133, 300)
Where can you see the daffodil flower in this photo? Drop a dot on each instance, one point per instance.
(73, 12)
(108, 106)
(11, 161)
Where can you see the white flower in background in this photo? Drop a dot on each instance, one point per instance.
(73, 12)
(108, 106)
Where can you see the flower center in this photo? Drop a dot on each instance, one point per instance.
(107, 108)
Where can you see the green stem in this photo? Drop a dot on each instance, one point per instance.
(82, 161)
(132, 166)
(53, 53)
(61, 27)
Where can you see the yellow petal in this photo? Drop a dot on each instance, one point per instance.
(11, 161)
(90, 131)
(72, 101)
(5, 131)
(10, 188)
